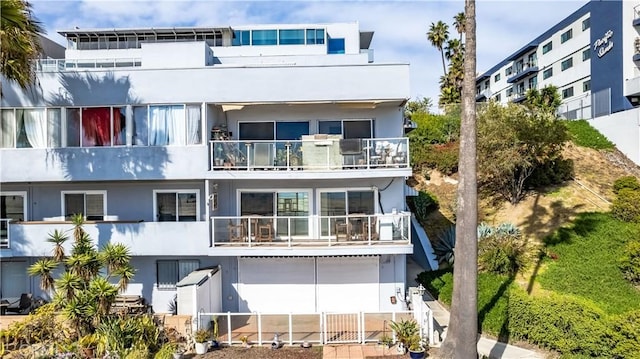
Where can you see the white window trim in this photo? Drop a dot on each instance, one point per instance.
(176, 191)
(24, 202)
(174, 287)
(104, 201)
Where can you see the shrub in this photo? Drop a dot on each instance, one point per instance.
(626, 182)
(626, 335)
(444, 158)
(423, 204)
(551, 172)
(434, 128)
(501, 254)
(626, 207)
(630, 262)
(444, 248)
(583, 134)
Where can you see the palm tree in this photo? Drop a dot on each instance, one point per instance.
(19, 41)
(43, 268)
(438, 35)
(463, 325)
(459, 23)
(57, 238)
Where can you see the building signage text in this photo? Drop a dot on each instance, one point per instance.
(604, 44)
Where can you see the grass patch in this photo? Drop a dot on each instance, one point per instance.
(588, 255)
(583, 134)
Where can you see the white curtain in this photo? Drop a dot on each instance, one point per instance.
(141, 130)
(54, 127)
(193, 124)
(35, 126)
(166, 125)
(8, 129)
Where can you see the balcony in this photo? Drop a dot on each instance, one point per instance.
(5, 242)
(236, 235)
(305, 235)
(143, 238)
(517, 97)
(57, 65)
(483, 95)
(636, 15)
(524, 71)
(312, 153)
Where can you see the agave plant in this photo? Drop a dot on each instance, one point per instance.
(43, 269)
(444, 248)
(485, 230)
(508, 229)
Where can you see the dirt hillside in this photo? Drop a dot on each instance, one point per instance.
(540, 213)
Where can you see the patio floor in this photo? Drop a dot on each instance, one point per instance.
(356, 351)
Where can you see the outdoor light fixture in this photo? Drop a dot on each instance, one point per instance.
(421, 289)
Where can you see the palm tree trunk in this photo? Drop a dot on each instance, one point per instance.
(444, 67)
(461, 340)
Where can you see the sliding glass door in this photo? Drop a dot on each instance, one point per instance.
(336, 205)
(285, 204)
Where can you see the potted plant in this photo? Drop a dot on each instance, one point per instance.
(201, 337)
(386, 341)
(416, 347)
(178, 350)
(88, 345)
(404, 330)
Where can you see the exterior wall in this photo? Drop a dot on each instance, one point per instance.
(623, 129)
(393, 276)
(176, 55)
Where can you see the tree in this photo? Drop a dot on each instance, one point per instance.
(461, 340)
(19, 41)
(417, 106)
(459, 22)
(547, 99)
(438, 35)
(515, 142)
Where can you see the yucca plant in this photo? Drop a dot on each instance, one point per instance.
(444, 248)
(57, 238)
(43, 269)
(68, 284)
(103, 293)
(114, 256)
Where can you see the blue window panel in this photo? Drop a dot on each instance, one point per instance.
(241, 37)
(336, 46)
(320, 36)
(291, 37)
(264, 37)
(315, 36)
(291, 130)
(330, 127)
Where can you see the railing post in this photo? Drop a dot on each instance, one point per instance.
(290, 329)
(229, 327)
(361, 327)
(393, 319)
(323, 328)
(430, 325)
(259, 328)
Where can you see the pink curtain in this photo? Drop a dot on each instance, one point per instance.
(96, 127)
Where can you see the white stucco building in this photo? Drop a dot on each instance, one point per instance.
(593, 57)
(275, 152)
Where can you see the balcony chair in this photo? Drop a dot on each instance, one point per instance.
(342, 230)
(237, 232)
(369, 229)
(263, 230)
(22, 305)
(351, 151)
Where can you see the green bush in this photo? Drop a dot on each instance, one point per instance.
(501, 254)
(444, 158)
(626, 182)
(423, 204)
(626, 335)
(433, 128)
(630, 262)
(550, 173)
(583, 134)
(626, 207)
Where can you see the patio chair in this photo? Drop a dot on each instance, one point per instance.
(22, 305)
(237, 232)
(369, 229)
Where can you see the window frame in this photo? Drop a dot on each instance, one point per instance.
(497, 77)
(567, 92)
(23, 194)
(548, 71)
(586, 24)
(547, 47)
(586, 54)
(156, 214)
(566, 36)
(147, 111)
(566, 64)
(586, 86)
(342, 126)
(177, 262)
(85, 193)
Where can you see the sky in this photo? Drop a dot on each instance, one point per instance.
(400, 26)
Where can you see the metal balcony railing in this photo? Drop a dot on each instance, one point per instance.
(56, 65)
(5, 242)
(317, 154)
(290, 231)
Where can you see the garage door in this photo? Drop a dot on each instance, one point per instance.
(276, 285)
(348, 284)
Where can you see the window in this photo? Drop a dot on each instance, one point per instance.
(282, 203)
(176, 206)
(92, 204)
(167, 125)
(241, 38)
(566, 36)
(335, 46)
(264, 37)
(31, 128)
(291, 37)
(96, 126)
(13, 207)
(487, 84)
(170, 272)
(568, 92)
(566, 64)
(508, 71)
(586, 54)
(342, 203)
(547, 73)
(347, 128)
(586, 86)
(509, 91)
(586, 23)
(498, 98)
(315, 36)
(547, 47)
(496, 78)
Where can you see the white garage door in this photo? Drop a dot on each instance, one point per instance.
(348, 284)
(276, 285)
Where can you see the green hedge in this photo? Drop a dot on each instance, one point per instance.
(583, 134)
